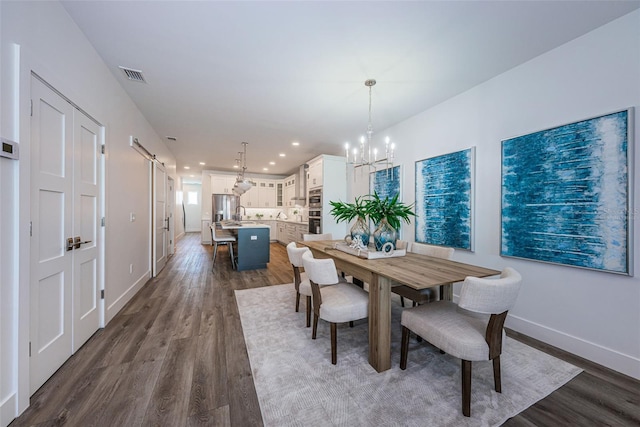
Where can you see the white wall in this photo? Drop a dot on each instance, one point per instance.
(40, 36)
(593, 314)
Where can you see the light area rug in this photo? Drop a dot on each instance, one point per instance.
(297, 385)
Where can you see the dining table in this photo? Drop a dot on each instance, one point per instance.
(414, 270)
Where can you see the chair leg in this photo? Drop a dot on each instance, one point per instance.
(309, 313)
(297, 301)
(496, 374)
(215, 252)
(404, 348)
(334, 343)
(466, 388)
(315, 327)
(402, 301)
(351, 324)
(233, 260)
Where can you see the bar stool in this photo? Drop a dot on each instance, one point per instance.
(221, 238)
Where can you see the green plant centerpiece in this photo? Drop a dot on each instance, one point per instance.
(259, 216)
(346, 212)
(387, 214)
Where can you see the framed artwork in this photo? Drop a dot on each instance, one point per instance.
(565, 194)
(444, 199)
(385, 182)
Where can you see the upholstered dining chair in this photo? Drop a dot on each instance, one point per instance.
(295, 258)
(218, 238)
(315, 237)
(466, 336)
(421, 296)
(340, 303)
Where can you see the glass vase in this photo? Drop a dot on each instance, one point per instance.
(383, 234)
(360, 229)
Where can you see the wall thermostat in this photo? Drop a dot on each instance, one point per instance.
(9, 149)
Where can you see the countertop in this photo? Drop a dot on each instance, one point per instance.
(238, 225)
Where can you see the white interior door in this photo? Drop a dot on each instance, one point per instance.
(51, 219)
(86, 219)
(160, 220)
(65, 197)
(171, 203)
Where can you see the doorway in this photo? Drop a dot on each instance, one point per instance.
(66, 242)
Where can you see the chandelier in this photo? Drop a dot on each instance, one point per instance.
(368, 156)
(242, 184)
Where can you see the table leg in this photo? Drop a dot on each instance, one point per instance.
(380, 323)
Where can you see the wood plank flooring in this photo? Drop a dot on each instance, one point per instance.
(176, 356)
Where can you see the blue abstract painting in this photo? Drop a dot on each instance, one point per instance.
(444, 199)
(565, 194)
(386, 182)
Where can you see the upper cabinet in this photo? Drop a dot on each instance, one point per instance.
(263, 194)
(222, 184)
(314, 173)
(289, 190)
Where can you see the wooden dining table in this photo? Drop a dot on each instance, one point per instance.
(413, 270)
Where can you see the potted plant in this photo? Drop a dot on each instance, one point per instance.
(387, 214)
(259, 216)
(345, 212)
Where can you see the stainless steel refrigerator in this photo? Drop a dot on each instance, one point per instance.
(224, 206)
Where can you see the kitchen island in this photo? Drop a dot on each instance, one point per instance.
(252, 243)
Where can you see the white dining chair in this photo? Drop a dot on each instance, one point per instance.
(466, 335)
(295, 258)
(421, 296)
(218, 238)
(336, 301)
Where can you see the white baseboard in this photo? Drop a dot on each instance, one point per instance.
(126, 296)
(8, 410)
(612, 359)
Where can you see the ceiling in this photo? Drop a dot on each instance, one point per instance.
(271, 73)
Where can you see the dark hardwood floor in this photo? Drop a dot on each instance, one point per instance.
(175, 356)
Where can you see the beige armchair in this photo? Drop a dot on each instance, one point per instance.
(421, 296)
(336, 301)
(466, 336)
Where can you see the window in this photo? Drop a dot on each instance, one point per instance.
(179, 197)
(192, 198)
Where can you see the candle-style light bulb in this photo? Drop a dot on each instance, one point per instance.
(375, 154)
(346, 150)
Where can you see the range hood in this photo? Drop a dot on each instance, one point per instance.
(301, 185)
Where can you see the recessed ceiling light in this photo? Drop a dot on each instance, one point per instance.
(192, 176)
(202, 163)
(265, 169)
(272, 163)
(282, 155)
(236, 166)
(295, 143)
(187, 167)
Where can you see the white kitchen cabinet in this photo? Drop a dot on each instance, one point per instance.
(267, 194)
(280, 232)
(290, 190)
(314, 173)
(251, 199)
(301, 230)
(222, 184)
(330, 174)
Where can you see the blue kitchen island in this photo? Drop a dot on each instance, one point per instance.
(252, 243)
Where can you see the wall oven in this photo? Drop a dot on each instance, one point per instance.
(315, 199)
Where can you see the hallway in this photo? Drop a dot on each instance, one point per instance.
(167, 358)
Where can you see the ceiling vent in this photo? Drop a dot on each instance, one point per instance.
(172, 138)
(133, 75)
